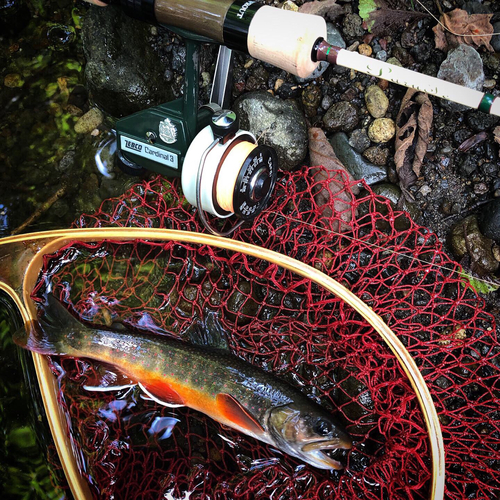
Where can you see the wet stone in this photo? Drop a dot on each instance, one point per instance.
(311, 98)
(377, 155)
(341, 116)
(489, 219)
(464, 67)
(382, 130)
(359, 140)
(279, 124)
(124, 74)
(480, 121)
(354, 162)
(13, 80)
(365, 50)
(495, 39)
(353, 26)
(467, 164)
(460, 135)
(60, 36)
(421, 52)
(402, 56)
(89, 121)
(377, 102)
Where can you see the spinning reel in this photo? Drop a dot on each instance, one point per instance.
(223, 170)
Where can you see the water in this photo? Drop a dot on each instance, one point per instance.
(24, 470)
(41, 97)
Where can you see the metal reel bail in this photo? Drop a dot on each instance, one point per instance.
(226, 172)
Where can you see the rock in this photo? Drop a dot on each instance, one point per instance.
(389, 191)
(489, 219)
(60, 36)
(278, 124)
(377, 102)
(124, 73)
(354, 162)
(13, 80)
(326, 102)
(353, 26)
(425, 190)
(377, 155)
(466, 239)
(334, 37)
(422, 51)
(365, 50)
(381, 55)
(394, 61)
(341, 116)
(462, 66)
(467, 164)
(480, 121)
(382, 130)
(311, 98)
(495, 39)
(89, 121)
(490, 61)
(359, 140)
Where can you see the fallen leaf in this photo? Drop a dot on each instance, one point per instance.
(321, 153)
(326, 8)
(413, 126)
(496, 134)
(471, 29)
(382, 19)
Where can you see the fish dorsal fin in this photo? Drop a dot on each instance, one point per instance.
(108, 378)
(162, 393)
(236, 413)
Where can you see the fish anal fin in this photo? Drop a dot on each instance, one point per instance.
(162, 392)
(236, 413)
(106, 377)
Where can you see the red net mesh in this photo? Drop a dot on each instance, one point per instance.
(132, 448)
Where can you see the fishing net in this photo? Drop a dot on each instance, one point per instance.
(130, 447)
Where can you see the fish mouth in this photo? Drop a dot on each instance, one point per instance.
(317, 448)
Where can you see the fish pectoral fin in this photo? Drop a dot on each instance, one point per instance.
(162, 393)
(233, 411)
(107, 378)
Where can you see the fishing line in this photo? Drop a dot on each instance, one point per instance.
(385, 249)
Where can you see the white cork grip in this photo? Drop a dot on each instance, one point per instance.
(285, 39)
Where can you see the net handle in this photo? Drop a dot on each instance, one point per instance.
(49, 241)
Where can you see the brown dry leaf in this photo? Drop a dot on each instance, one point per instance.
(321, 153)
(326, 8)
(465, 24)
(413, 126)
(496, 134)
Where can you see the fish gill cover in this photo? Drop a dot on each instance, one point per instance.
(129, 447)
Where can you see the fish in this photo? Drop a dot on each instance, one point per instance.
(175, 373)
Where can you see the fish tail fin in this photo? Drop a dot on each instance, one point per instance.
(48, 334)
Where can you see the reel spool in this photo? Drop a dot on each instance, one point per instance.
(226, 172)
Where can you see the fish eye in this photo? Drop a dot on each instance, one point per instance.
(322, 427)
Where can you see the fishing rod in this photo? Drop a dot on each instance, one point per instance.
(292, 41)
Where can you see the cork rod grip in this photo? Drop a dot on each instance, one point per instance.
(285, 39)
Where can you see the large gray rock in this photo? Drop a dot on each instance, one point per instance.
(463, 66)
(276, 123)
(354, 162)
(124, 74)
